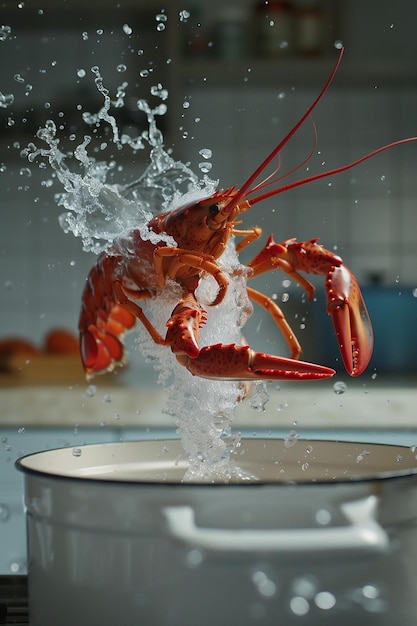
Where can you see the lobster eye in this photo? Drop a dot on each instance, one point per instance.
(213, 209)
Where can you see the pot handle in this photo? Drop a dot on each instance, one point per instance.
(362, 533)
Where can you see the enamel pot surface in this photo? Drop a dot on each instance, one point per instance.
(326, 534)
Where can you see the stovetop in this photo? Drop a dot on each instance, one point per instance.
(14, 600)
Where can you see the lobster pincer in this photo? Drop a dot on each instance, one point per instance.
(350, 318)
(229, 361)
(345, 303)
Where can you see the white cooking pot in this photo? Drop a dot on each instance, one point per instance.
(326, 535)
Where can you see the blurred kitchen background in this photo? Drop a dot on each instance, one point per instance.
(239, 76)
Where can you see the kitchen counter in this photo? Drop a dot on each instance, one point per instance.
(368, 403)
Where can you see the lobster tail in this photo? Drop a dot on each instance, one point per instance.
(103, 321)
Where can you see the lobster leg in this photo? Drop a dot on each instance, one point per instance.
(279, 318)
(229, 362)
(181, 259)
(345, 302)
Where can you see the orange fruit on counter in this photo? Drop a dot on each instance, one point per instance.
(61, 341)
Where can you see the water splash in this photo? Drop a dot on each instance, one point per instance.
(101, 213)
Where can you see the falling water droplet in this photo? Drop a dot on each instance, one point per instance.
(299, 606)
(324, 600)
(184, 15)
(291, 440)
(77, 452)
(90, 391)
(5, 31)
(161, 18)
(206, 153)
(339, 387)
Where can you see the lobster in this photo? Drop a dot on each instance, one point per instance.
(200, 231)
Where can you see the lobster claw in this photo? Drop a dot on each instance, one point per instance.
(233, 362)
(350, 318)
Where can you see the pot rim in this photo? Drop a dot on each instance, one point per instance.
(378, 476)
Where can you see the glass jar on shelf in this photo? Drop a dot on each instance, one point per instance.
(309, 27)
(230, 34)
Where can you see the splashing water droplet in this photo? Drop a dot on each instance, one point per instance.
(338, 44)
(127, 29)
(264, 585)
(121, 67)
(259, 396)
(5, 32)
(323, 517)
(184, 15)
(324, 600)
(77, 452)
(90, 392)
(161, 18)
(291, 440)
(205, 167)
(194, 557)
(282, 406)
(362, 455)
(299, 606)
(339, 387)
(6, 100)
(206, 153)
(159, 91)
